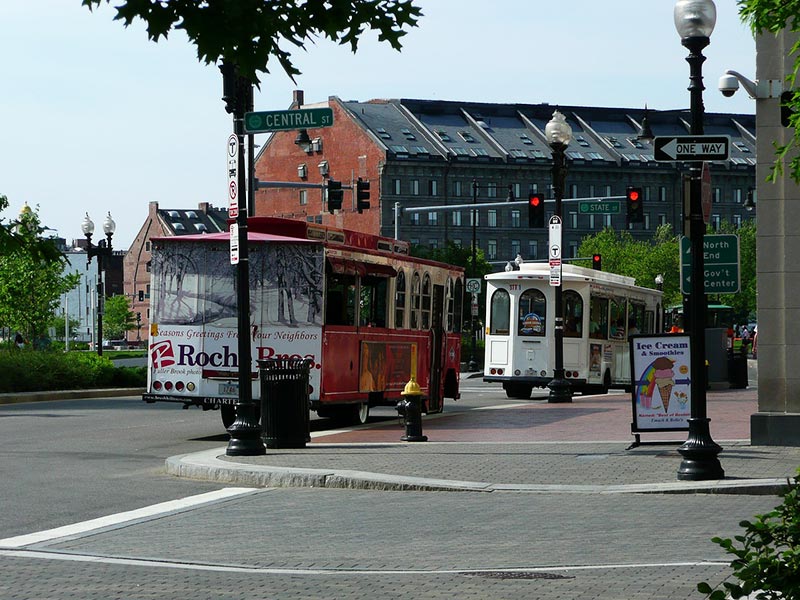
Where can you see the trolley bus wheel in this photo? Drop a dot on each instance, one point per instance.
(519, 391)
(348, 414)
(360, 413)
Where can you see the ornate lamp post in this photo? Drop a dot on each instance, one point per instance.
(473, 362)
(695, 20)
(559, 135)
(102, 249)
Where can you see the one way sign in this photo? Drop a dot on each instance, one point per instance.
(692, 147)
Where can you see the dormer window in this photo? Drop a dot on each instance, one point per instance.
(466, 136)
(201, 227)
(302, 170)
(192, 215)
(316, 144)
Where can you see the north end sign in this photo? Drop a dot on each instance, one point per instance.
(720, 262)
(692, 147)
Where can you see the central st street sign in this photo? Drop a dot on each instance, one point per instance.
(608, 207)
(287, 120)
(692, 147)
(720, 262)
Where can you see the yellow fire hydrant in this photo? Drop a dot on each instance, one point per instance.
(411, 409)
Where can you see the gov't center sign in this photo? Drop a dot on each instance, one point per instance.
(720, 262)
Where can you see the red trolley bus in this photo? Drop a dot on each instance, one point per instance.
(365, 313)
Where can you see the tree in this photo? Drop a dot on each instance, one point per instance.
(118, 317)
(58, 323)
(642, 260)
(248, 33)
(746, 301)
(32, 277)
(773, 16)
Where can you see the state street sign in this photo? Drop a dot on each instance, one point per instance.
(607, 207)
(286, 120)
(692, 147)
(720, 264)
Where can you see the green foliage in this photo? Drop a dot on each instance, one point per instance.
(249, 33)
(118, 317)
(31, 371)
(746, 301)
(642, 260)
(767, 556)
(58, 322)
(453, 254)
(31, 275)
(772, 16)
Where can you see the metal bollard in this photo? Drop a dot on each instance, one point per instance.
(410, 407)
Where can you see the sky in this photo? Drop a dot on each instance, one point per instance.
(94, 117)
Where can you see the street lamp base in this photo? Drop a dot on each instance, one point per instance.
(560, 391)
(245, 433)
(699, 451)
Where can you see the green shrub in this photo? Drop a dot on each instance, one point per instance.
(28, 371)
(768, 561)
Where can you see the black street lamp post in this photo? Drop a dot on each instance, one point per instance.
(245, 432)
(473, 362)
(559, 135)
(695, 20)
(103, 248)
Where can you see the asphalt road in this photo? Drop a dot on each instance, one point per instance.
(64, 463)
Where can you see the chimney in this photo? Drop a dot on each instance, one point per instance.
(203, 206)
(297, 99)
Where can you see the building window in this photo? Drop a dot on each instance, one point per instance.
(662, 194)
(591, 191)
(516, 248)
(415, 187)
(474, 218)
(433, 243)
(517, 190)
(491, 249)
(647, 221)
(662, 219)
(715, 222)
(573, 249)
(737, 221)
(456, 188)
(591, 222)
(515, 218)
(491, 218)
(491, 190)
(533, 249)
(147, 246)
(303, 197)
(737, 195)
(717, 195)
(396, 186)
(573, 220)
(456, 218)
(433, 218)
(533, 188)
(573, 190)
(457, 243)
(433, 187)
(646, 192)
(606, 220)
(415, 218)
(608, 191)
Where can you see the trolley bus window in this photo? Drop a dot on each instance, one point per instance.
(598, 318)
(500, 313)
(573, 314)
(426, 302)
(415, 301)
(618, 319)
(636, 319)
(400, 300)
(341, 300)
(372, 308)
(532, 313)
(459, 309)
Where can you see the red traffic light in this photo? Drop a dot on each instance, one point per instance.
(597, 262)
(535, 200)
(633, 195)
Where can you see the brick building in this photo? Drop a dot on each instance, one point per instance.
(160, 223)
(422, 153)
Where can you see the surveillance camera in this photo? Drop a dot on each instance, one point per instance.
(728, 84)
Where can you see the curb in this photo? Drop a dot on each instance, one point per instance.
(47, 396)
(208, 466)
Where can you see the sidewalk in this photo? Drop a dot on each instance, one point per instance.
(529, 446)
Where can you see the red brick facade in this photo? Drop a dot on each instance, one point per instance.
(350, 152)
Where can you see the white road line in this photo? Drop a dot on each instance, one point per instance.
(164, 564)
(140, 514)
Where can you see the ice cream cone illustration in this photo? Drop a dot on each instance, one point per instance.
(665, 379)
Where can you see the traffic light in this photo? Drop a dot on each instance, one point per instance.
(362, 195)
(535, 210)
(335, 195)
(633, 197)
(597, 262)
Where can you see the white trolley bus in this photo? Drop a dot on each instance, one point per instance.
(600, 311)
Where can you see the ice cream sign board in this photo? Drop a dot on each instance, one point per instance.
(661, 378)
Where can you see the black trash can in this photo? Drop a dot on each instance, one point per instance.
(737, 369)
(284, 402)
